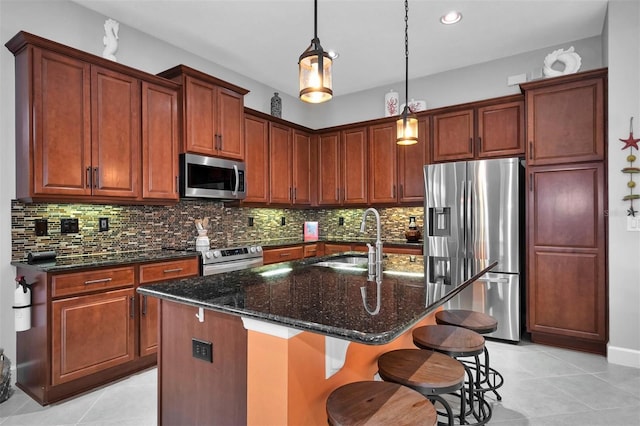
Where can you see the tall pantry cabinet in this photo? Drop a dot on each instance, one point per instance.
(566, 204)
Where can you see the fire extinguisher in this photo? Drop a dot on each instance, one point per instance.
(22, 304)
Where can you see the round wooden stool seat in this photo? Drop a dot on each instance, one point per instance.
(379, 403)
(431, 373)
(449, 339)
(476, 321)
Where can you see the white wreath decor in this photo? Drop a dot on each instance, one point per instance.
(569, 58)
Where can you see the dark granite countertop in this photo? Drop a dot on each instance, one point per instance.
(284, 242)
(322, 299)
(69, 263)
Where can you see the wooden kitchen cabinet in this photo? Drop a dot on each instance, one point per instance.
(342, 167)
(148, 306)
(395, 172)
(160, 142)
(333, 248)
(487, 129)
(566, 119)
(303, 158)
(212, 113)
(91, 333)
(256, 131)
(281, 191)
(81, 120)
(567, 290)
(282, 254)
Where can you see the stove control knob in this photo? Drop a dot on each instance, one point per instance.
(252, 249)
(259, 248)
(207, 254)
(216, 253)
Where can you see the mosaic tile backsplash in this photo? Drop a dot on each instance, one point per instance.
(133, 228)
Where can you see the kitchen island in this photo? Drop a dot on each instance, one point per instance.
(268, 345)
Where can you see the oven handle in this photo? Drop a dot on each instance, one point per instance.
(235, 169)
(218, 268)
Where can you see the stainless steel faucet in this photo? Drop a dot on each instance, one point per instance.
(375, 255)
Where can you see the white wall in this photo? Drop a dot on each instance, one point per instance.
(623, 57)
(75, 26)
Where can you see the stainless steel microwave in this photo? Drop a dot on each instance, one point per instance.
(210, 177)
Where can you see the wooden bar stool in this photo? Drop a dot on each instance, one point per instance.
(459, 343)
(430, 373)
(379, 403)
(483, 324)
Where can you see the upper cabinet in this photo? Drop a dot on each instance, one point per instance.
(256, 133)
(213, 113)
(342, 167)
(487, 129)
(80, 127)
(395, 171)
(565, 118)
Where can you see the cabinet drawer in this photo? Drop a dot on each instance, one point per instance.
(336, 248)
(89, 281)
(283, 254)
(311, 250)
(169, 270)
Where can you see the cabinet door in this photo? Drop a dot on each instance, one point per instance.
(280, 164)
(256, 159)
(91, 333)
(159, 142)
(565, 122)
(230, 124)
(501, 130)
(302, 168)
(382, 164)
(453, 136)
(329, 169)
(200, 117)
(61, 146)
(411, 162)
(115, 118)
(566, 252)
(148, 325)
(354, 166)
(283, 254)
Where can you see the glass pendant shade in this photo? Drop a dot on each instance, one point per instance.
(315, 74)
(407, 128)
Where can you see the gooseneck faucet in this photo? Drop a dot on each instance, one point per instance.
(375, 256)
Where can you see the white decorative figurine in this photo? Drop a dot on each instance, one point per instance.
(569, 58)
(110, 40)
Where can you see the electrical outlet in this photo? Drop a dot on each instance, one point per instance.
(283, 221)
(202, 350)
(103, 224)
(633, 223)
(69, 226)
(341, 221)
(250, 221)
(42, 227)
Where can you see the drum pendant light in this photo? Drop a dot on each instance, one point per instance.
(407, 124)
(315, 68)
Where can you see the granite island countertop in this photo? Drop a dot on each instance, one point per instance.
(325, 300)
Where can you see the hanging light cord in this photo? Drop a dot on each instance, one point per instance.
(406, 54)
(315, 19)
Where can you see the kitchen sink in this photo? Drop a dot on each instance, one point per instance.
(347, 262)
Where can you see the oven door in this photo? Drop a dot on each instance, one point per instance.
(210, 177)
(235, 265)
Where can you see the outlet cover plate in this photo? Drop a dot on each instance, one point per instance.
(42, 227)
(69, 226)
(202, 350)
(103, 224)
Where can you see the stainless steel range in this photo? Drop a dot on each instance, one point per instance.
(217, 261)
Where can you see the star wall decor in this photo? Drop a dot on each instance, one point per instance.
(631, 143)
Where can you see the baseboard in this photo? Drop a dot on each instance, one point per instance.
(623, 356)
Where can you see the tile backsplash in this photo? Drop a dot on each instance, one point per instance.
(154, 227)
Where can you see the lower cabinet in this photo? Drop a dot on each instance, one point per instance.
(90, 327)
(91, 333)
(282, 254)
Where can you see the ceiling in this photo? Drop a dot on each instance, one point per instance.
(262, 39)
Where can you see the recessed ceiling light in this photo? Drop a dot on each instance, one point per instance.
(333, 54)
(451, 17)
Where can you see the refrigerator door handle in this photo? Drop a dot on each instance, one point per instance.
(493, 280)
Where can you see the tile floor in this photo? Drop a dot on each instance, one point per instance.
(544, 386)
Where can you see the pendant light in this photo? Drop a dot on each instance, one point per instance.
(315, 68)
(407, 124)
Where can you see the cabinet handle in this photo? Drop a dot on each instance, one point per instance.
(177, 185)
(401, 190)
(295, 193)
(337, 194)
(290, 193)
(144, 305)
(101, 280)
(88, 185)
(470, 144)
(131, 306)
(394, 191)
(530, 150)
(95, 177)
(530, 181)
(168, 271)
(285, 254)
(479, 144)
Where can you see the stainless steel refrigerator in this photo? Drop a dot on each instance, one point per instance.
(473, 216)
